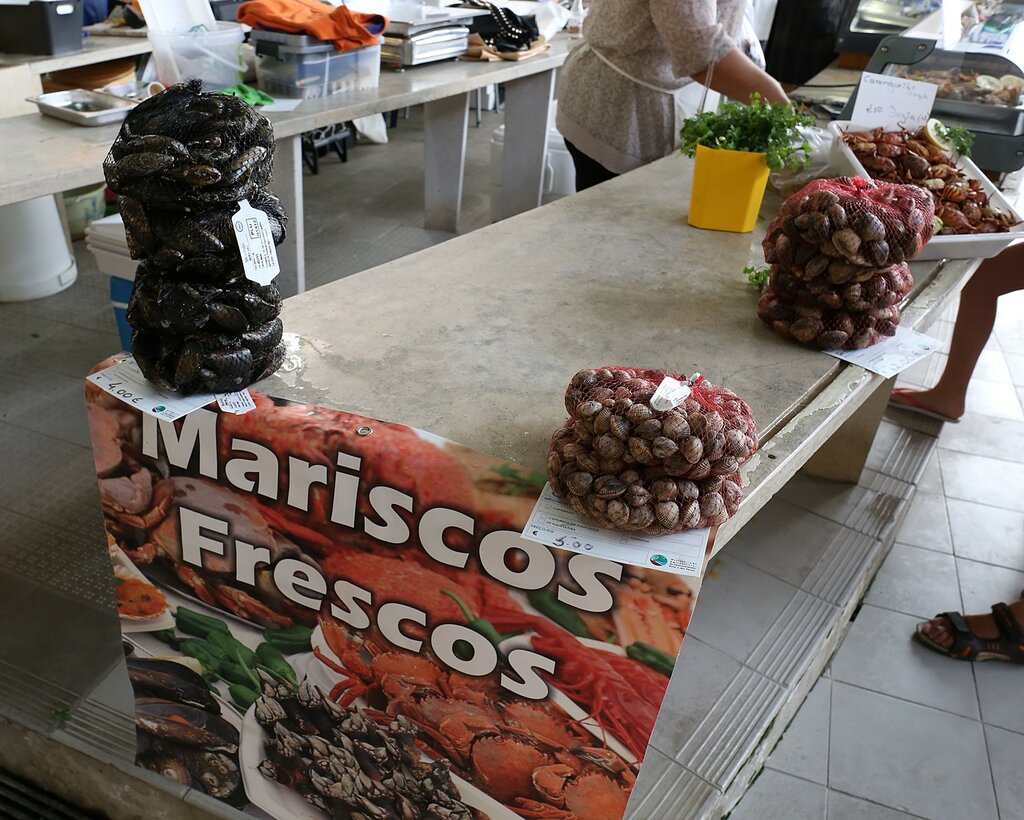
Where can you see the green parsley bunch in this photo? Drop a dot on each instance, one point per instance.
(761, 127)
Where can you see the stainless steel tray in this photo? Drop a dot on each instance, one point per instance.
(84, 107)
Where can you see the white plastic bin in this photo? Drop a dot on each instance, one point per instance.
(34, 257)
(211, 56)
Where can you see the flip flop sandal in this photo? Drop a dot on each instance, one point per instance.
(967, 646)
(912, 404)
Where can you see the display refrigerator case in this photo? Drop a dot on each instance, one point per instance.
(980, 84)
(866, 23)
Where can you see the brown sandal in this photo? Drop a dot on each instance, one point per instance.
(967, 646)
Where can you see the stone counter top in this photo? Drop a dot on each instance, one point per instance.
(476, 339)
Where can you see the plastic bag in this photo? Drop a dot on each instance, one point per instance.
(644, 454)
(786, 182)
(551, 18)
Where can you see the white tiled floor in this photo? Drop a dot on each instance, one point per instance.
(893, 730)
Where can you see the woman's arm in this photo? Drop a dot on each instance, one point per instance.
(737, 77)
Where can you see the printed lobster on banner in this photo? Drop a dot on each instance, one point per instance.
(368, 633)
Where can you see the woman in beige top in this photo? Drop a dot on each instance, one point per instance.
(619, 90)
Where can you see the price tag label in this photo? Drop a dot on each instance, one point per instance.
(892, 102)
(238, 403)
(891, 355)
(125, 381)
(555, 524)
(670, 393)
(255, 244)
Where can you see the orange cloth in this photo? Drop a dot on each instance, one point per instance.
(346, 29)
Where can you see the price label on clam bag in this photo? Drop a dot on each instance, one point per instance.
(255, 244)
(670, 393)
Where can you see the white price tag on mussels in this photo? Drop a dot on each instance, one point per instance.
(893, 354)
(892, 102)
(125, 381)
(670, 393)
(555, 524)
(238, 403)
(255, 244)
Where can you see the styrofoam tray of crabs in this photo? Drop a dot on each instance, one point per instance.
(375, 725)
(974, 219)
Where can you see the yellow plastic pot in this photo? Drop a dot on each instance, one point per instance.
(728, 187)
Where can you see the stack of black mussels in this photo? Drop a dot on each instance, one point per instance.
(181, 163)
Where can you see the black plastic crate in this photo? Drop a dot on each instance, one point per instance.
(41, 28)
(226, 10)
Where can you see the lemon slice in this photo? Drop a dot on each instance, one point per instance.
(935, 132)
(1012, 81)
(986, 82)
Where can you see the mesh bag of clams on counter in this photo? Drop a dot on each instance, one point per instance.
(854, 315)
(849, 219)
(180, 164)
(838, 250)
(642, 453)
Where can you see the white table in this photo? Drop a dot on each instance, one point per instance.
(41, 155)
(97, 49)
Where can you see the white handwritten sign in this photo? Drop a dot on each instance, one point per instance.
(892, 102)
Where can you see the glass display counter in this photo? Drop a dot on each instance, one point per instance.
(980, 82)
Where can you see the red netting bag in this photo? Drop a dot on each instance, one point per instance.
(826, 329)
(848, 220)
(883, 289)
(636, 456)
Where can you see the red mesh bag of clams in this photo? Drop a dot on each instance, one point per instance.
(651, 451)
(852, 316)
(852, 220)
(838, 251)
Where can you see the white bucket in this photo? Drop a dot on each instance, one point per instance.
(34, 257)
(82, 206)
(559, 172)
(211, 56)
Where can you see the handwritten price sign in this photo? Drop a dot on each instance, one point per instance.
(892, 102)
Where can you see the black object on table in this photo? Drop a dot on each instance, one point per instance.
(41, 28)
(318, 142)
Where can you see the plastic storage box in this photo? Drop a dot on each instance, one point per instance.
(296, 66)
(120, 293)
(41, 27)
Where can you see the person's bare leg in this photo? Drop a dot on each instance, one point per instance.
(974, 321)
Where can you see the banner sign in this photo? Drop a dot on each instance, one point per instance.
(330, 616)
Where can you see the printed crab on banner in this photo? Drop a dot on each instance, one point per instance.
(403, 551)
